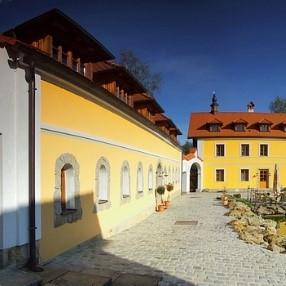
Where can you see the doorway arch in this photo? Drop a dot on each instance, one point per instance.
(195, 177)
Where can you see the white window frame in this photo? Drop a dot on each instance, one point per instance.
(125, 179)
(224, 149)
(102, 196)
(268, 150)
(224, 175)
(241, 174)
(140, 179)
(241, 150)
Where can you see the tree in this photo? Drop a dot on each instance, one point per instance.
(278, 105)
(186, 147)
(141, 71)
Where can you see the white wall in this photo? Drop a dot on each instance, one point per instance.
(14, 129)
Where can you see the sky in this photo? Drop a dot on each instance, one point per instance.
(235, 48)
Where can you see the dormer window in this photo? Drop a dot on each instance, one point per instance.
(283, 126)
(264, 128)
(239, 125)
(264, 125)
(215, 125)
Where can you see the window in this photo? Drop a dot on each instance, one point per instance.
(239, 127)
(125, 181)
(67, 188)
(102, 178)
(214, 127)
(244, 149)
(244, 175)
(67, 205)
(150, 178)
(220, 175)
(263, 150)
(102, 189)
(140, 178)
(219, 150)
(264, 128)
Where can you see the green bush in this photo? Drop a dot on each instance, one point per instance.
(160, 190)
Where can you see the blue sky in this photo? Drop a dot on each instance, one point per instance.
(237, 48)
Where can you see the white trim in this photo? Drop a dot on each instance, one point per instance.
(268, 150)
(245, 143)
(240, 174)
(224, 149)
(224, 175)
(86, 136)
(77, 89)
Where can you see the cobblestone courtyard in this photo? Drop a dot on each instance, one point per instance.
(208, 253)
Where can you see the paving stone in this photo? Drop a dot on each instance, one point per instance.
(16, 277)
(82, 279)
(209, 253)
(136, 280)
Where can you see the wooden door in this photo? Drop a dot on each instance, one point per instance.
(263, 178)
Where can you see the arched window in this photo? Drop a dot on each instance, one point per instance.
(140, 178)
(67, 188)
(67, 206)
(102, 184)
(150, 178)
(125, 181)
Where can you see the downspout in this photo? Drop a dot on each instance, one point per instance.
(33, 259)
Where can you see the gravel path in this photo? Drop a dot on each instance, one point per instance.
(206, 253)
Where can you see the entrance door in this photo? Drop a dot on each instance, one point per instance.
(264, 178)
(193, 178)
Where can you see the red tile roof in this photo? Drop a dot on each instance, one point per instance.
(199, 124)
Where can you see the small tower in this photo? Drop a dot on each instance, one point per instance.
(214, 105)
(250, 106)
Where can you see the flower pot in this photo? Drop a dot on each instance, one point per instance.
(161, 208)
(167, 204)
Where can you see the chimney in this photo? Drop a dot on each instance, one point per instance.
(250, 106)
(214, 105)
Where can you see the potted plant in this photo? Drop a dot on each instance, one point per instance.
(160, 190)
(169, 187)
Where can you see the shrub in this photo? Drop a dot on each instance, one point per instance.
(160, 190)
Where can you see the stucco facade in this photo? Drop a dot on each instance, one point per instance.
(102, 143)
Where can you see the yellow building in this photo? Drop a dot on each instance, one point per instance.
(100, 144)
(239, 149)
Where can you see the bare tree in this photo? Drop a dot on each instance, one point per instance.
(141, 71)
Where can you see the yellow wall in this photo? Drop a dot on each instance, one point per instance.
(232, 162)
(64, 109)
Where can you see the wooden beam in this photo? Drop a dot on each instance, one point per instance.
(69, 59)
(60, 54)
(48, 45)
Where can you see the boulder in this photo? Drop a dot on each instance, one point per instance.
(252, 237)
(275, 248)
(265, 210)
